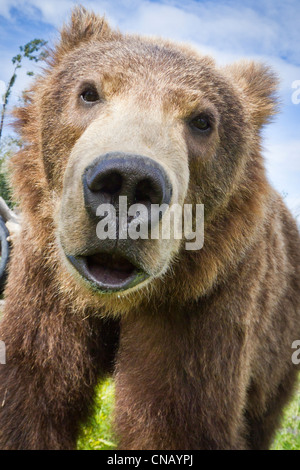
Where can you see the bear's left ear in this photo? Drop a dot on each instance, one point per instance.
(259, 84)
(84, 25)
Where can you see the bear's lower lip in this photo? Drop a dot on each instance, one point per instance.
(108, 272)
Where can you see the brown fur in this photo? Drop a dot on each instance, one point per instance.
(201, 352)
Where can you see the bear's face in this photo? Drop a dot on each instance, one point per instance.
(123, 116)
(151, 126)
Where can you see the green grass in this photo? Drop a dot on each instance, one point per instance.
(97, 433)
(288, 436)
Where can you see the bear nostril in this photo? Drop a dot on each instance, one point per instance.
(146, 192)
(140, 179)
(109, 183)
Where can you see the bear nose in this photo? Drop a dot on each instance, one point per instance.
(141, 179)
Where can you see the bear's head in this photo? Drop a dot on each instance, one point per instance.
(118, 120)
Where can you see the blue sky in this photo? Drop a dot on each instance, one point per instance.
(229, 30)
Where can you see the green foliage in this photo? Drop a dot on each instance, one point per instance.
(97, 433)
(288, 436)
(31, 51)
(33, 47)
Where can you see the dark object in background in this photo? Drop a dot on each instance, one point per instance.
(5, 252)
(7, 216)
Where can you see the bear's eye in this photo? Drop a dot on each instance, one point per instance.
(201, 123)
(90, 95)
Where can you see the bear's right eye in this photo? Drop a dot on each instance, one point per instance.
(201, 123)
(90, 95)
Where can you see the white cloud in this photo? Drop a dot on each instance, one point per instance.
(50, 11)
(227, 30)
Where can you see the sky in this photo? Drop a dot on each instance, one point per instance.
(229, 30)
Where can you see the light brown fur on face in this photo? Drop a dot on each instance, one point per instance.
(201, 348)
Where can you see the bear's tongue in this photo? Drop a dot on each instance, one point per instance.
(109, 269)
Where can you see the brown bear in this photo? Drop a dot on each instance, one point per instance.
(199, 341)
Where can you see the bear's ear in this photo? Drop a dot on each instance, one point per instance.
(83, 26)
(258, 83)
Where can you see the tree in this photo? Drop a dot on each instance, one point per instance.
(31, 51)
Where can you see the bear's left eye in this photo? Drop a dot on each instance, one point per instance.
(90, 95)
(201, 123)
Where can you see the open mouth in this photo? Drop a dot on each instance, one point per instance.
(108, 272)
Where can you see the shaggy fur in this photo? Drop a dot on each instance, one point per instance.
(201, 351)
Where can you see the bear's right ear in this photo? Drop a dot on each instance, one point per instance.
(258, 83)
(83, 26)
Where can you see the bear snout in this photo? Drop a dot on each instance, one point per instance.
(140, 179)
(123, 195)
